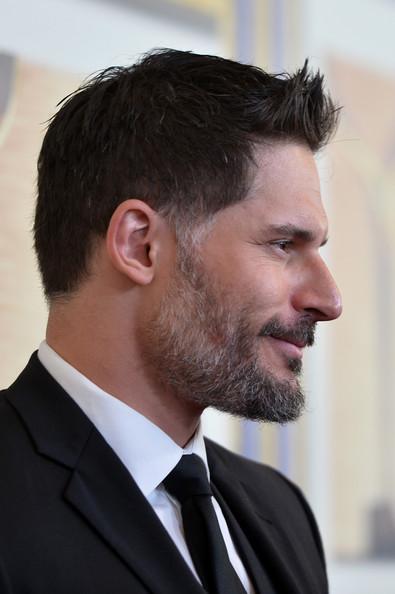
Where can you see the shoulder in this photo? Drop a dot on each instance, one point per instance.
(257, 478)
(249, 471)
(9, 421)
(15, 443)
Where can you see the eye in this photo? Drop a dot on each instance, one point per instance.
(283, 244)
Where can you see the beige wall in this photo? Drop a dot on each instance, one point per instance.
(34, 94)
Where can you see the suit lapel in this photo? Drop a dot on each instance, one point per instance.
(100, 488)
(285, 566)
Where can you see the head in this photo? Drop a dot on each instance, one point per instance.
(210, 147)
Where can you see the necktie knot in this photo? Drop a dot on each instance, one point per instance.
(188, 479)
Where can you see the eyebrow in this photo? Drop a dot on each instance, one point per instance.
(289, 230)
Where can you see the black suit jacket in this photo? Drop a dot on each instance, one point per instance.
(73, 521)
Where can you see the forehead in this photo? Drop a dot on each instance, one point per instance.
(285, 190)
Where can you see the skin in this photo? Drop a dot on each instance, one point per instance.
(263, 251)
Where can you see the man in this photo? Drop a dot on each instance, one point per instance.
(178, 228)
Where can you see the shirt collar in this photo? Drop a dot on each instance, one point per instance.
(148, 453)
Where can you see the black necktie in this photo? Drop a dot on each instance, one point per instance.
(188, 483)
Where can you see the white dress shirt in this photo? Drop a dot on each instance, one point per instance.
(147, 452)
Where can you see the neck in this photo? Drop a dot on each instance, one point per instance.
(109, 359)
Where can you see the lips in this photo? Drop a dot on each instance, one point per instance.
(301, 344)
(288, 347)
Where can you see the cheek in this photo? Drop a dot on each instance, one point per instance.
(267, 287)
(270, 300)
(246, 278)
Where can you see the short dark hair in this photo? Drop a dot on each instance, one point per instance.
(176, 130)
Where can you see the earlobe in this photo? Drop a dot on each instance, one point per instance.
(129, 240)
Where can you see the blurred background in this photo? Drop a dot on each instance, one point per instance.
(342, 451)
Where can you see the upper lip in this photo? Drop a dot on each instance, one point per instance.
(299, 343)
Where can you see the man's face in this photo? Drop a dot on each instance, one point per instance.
(230, 330)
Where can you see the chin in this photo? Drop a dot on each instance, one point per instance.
(290, 371)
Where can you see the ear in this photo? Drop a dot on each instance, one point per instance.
(130, 240)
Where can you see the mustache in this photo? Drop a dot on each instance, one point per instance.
(302, 331)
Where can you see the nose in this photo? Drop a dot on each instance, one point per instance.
(317, 293)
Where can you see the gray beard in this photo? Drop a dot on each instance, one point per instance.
(207, 354)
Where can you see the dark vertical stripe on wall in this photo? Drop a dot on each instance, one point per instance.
(6, 80)
(277, 11)
(245, 30)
